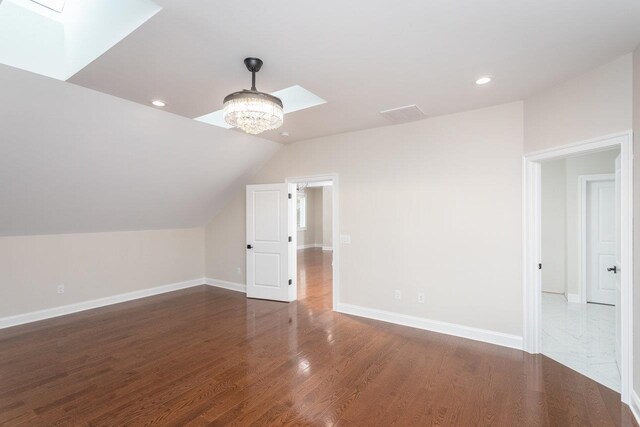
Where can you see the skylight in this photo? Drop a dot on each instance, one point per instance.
(294, 98)
(57, 38)
(216, 118)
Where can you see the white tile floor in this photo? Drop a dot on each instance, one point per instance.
(582, 337)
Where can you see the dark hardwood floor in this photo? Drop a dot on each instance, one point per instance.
(207, 356)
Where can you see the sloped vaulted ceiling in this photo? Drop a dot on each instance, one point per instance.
(76, 160)
(362, 56)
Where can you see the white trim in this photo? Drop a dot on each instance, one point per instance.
(327, 248)
(532, 277)
(491, 337)
(310, 245)
(583, 181)
(49, 313)
(626, 258)
(335, 213)
(594, 145)
(231, 286)
(573, 298)
(634, 405)
(531, 244)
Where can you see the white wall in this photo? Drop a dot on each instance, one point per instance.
(444, 196)
(554, 230)
(73, 160)
(93, 265)
(327, 217)
(594, 104)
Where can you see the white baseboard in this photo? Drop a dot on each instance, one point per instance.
(232, 286)
(492, 337)
(49, 313)
(498, 338)
(573, 298)
(309, 246)
(327, 248)
(634, 405)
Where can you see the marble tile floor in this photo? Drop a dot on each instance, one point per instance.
(582, 337)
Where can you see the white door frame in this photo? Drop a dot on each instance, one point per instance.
(532, 243)
(583, 184)
(333, 177)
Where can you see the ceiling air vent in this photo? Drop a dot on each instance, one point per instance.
(404, 114)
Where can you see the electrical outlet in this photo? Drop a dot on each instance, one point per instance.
(345, 238)
(238, 271)
(421, 297)
(60, 289)
(397, 294)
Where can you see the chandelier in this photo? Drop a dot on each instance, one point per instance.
(250, 110)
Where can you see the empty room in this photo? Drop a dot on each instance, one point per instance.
(319, 213)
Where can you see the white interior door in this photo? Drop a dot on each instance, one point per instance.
(618, 263)
(271, 242)
(601, 242)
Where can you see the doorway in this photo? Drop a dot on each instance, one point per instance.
(277, 216)
(317, 238)
(533, 248)
(578, 277)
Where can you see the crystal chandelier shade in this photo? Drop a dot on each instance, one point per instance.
(250, 110)
(253, 112)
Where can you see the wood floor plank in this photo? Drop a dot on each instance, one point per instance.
(206, 356)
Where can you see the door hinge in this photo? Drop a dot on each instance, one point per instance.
(539, 266)
(290, 239)
(289, 195)
(290, 282)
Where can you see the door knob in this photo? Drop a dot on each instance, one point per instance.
(249, 247)
(614, 269)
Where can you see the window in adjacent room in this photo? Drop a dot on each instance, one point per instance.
(302, 212)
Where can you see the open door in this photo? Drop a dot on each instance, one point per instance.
(601, 241)
(271, 242)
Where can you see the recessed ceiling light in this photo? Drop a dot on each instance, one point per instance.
(158, 103)
(483, 80)
(284, 133)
